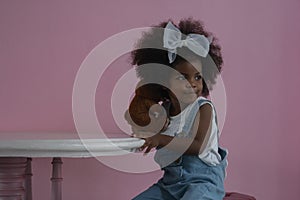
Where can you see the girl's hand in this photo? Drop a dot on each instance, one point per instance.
(150, 143)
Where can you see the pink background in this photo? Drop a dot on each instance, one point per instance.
(43, 43)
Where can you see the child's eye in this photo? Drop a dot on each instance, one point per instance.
(198, 77)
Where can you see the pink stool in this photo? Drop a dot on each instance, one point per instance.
(237, 196)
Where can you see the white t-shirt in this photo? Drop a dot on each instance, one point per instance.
(181, 125)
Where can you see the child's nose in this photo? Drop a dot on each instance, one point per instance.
(191, 83)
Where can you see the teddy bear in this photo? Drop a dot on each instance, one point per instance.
(148, 110)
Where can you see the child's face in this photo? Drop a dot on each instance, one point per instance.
(187, 84)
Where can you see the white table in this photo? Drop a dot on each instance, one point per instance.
(16, 155)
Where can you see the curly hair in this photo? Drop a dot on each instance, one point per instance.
(149, 50)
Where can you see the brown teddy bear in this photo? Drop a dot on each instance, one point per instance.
(149, 110)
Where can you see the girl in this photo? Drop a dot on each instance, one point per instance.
(185, 61)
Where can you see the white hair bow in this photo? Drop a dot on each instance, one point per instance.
(197, 43)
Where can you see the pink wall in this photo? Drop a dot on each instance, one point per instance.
(43, 43)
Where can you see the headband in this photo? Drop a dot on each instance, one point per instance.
(197, 43)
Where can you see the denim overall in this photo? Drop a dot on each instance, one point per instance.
(189, 178)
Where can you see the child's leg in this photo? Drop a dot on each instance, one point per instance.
(203, 191)
(154, 193)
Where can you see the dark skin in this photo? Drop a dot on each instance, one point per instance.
(186, 86)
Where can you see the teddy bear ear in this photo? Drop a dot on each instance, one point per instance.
(127, 117)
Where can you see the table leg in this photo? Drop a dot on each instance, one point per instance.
(12, 176)
(56, 180)
(28, 183)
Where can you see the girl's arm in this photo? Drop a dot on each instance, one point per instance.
(188, 145)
